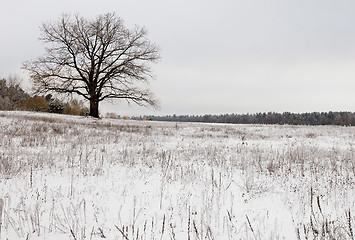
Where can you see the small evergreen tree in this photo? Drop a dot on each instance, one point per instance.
(55, 105)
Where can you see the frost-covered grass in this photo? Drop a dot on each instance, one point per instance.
(64, 177)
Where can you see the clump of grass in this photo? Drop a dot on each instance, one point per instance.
(72, 220)
(323, 226)
(8, 166)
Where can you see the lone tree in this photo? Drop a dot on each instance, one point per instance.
(98, 59)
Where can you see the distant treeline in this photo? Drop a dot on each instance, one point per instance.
(314, 118)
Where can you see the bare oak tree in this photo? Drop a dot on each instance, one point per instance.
(98, 59)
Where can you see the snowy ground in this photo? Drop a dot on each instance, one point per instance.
(64, 177)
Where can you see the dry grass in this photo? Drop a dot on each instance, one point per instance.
(226, 164)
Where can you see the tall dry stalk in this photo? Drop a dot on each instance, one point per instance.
(1, 208)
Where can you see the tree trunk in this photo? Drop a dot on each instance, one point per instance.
(94, 108)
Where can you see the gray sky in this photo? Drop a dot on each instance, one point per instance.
(228, 56)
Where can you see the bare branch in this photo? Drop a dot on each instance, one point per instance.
(97, 59)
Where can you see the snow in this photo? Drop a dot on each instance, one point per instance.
(67, 177)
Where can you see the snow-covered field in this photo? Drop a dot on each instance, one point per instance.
(65, 177)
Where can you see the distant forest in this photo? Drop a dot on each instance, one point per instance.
(13, 97)
(314, 118)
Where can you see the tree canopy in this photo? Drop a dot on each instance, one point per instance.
(98, 59)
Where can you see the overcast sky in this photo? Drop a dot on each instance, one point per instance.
(228, 56)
